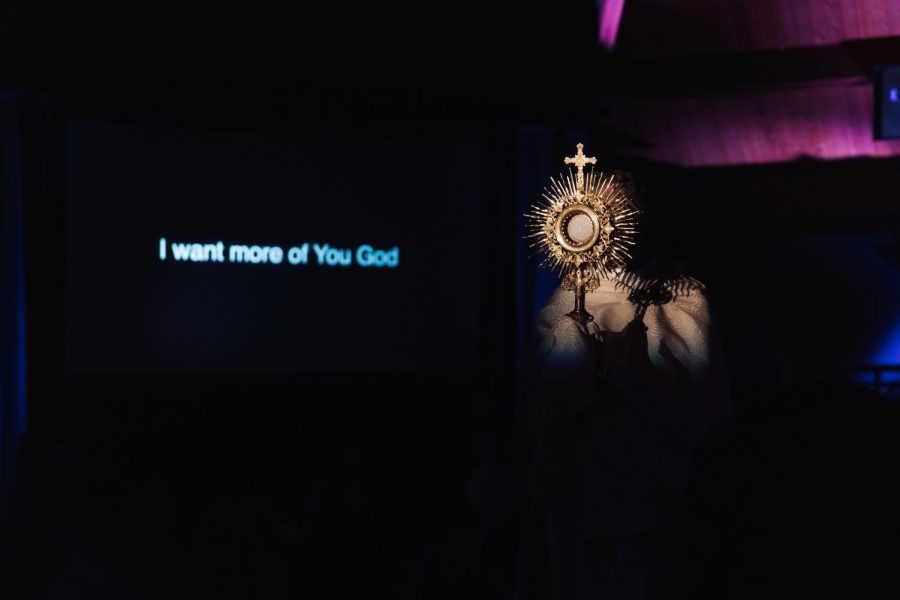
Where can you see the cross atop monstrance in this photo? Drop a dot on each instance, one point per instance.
(579, 160)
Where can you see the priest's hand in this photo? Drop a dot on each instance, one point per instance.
(569, 353)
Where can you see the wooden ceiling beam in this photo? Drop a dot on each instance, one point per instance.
(696, 75)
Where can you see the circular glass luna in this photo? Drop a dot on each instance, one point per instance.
(577, 228)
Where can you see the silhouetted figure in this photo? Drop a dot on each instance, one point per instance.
(798, 497)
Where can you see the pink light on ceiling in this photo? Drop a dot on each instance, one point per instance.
(610, 17)
(827, 121)
(665, 27)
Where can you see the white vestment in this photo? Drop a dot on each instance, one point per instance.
(662, 388)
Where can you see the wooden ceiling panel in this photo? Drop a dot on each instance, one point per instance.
(829, 120)
(659, 27)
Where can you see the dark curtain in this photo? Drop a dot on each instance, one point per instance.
(539, 156)
(12, 294)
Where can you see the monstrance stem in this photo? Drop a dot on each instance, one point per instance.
(580, 314)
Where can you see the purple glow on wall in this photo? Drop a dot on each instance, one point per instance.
(610, 17)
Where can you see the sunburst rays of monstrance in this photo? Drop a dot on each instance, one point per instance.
(585, 227)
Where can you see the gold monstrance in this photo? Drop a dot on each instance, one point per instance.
(585, 228)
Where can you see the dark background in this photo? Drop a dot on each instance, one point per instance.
(400, 484)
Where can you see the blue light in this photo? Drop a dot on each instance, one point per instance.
(860, 261)
(864, 377)
(893, 95)
(889, 352)
(890, 377)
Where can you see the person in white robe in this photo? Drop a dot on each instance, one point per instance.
(618, 405)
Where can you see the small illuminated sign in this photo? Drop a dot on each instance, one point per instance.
(887, 102)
